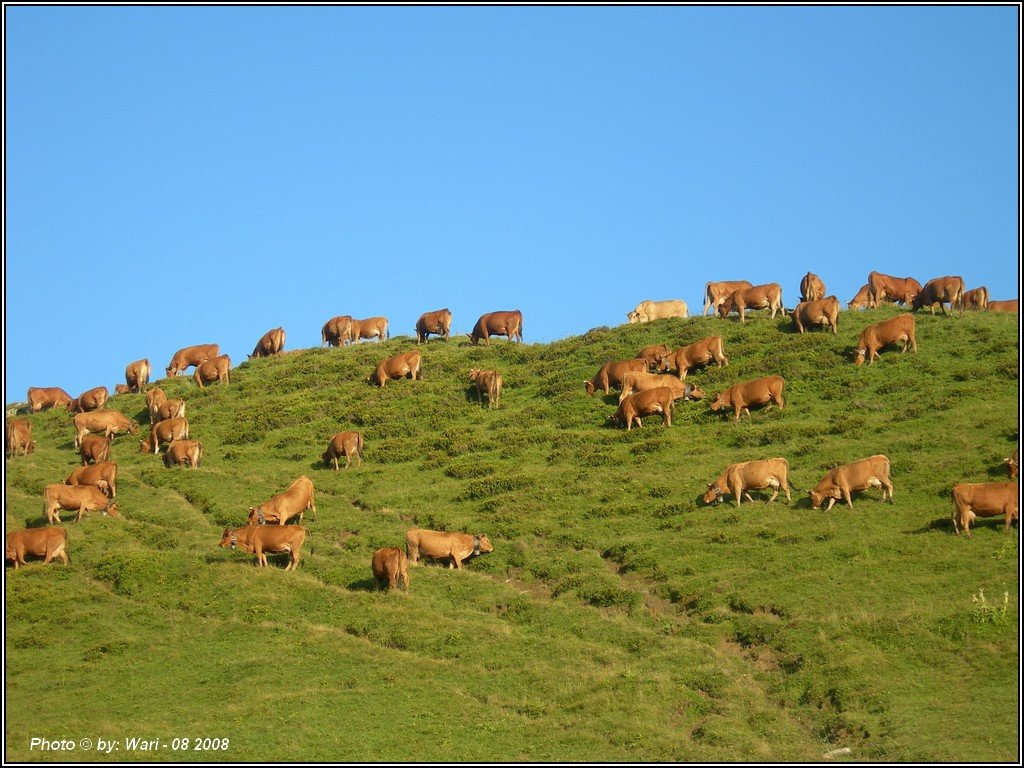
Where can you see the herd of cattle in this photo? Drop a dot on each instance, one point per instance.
(93, 485)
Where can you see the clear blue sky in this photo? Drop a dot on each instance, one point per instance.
(187, 175)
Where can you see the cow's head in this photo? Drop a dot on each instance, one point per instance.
(589, 386)
(145, 446)
(256, 516)
(32, 446)
(474, 374)
(112, 511)
(171, 370)
(817, 497)
(719, 402)
(714, 493)
(693, 392)
(133, 427)
(859, 356)
(633, 317)
(481, 544)
(228, 539)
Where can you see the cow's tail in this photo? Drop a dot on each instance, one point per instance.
(359, 444)
(956, 527)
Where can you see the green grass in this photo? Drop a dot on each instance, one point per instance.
(618, 619)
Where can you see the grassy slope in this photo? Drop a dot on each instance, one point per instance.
(617, 619)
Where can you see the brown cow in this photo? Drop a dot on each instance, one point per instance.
(811, 288)
(971, 500)
(46, 543)
(260, 539)
(897, 289)
(95, 448)
(347, 444)
(91, 400)
(941, 289)
(164, 432)
(716, 293)
(183, 452)
(108, 422)
(103, 475)
(610, 374)
(767, 296)
(193, 355)
(872, 472)
(976, 298)
(508, 324)
(371, 327)
(658, 400)
(896, 330)
(388, 565)
(406, 364)
(169, 409)
(486, 383)
(456, 547)
(335, 331)
(270, 343)
(699, 353)
(762, 391)
(154, 399)
(655, 355)
(214, 369)
(47, 397)
(84, 498)
(860, 301)
(19, 438)
(641, 382)
(1007, 305)
(283, 506)
(1013, 463)
(438, 322)
(648, 311)
(136, 375)
(821, 312)
(738, 478)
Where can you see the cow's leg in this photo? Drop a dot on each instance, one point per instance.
(775, 492)
(831, 503)
(846, 496)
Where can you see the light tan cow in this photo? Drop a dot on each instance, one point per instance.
(973, 500)
(84, 498)
(821, 312)
(839, 483)
(335, 331)
(347, 444)
(896, 330)
(183, 452)
(270, 343)
(164, 432)
(95, 448)
(641, 382)
(699, 353)
(215, 369)
(486, 383)
(19, 438)
(767, 296)
(860, 301)
(455, 547)
(648, 311)
(261, 540)
(47, 397)
(102, 474)
(766, 390)
(658, 400)
(610, 374)
(405, 365)
(154, 399)
(655, 355)
(976, 298)
(169, 409)
(283, 506)
(136, 375)
(505, 323)
(743, 476)
(47, 543)
(193, 355)
(1007, 305)
(897, 289)
(390, 564)
(438, 322)
(716, 293)
(370, 328)
(91, 400)
(108, 421)
(939, 290)
(811, 288)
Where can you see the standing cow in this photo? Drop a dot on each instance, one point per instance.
(390, 564)
(19, 438)
(438, 322)
(270, 343)
(648, 311)
(406, 365)
(193, 355)
(811, 288)
(335, 331)
(486, 383)
(507, 323)
(214, 369)
(347, 444)
(136, 375)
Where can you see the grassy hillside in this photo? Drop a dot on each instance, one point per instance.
(618, 619)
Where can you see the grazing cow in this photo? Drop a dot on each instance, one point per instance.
(767, 296)
(457, 547)
(811, 288)
(136, 375)
(84, 498)
(641, 382)
(388, 565)
(47, 397)
(896, 330)
(406, 364)
(214, 369)
(154, 399)
(486, 383)
(716, 293)
(169, 409)
(658, 400)
(438, 322)
(976, 298)
(610, 374)
(646, 311)
(347, 444)
(19, 438)
(184, 452)
(371, 327)
(194, 355)
(121, 389)
(270, 343)
(655, 355)
(103, 475)
(164, 432)
(46, 543)
(872, 472)
(971, 500)
(821, 312)
(941, 289)
(95, 448)
(1012, 463)
(766, 390)
(335, 331)
(699, 353)
(508, 324)
(91, 400)
(897, 289)
(860, 301)
(283, 506)
(1007, 305)
(108, 422)
(260, 539)
(738, 478)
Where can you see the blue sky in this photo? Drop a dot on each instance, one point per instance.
(187, 175)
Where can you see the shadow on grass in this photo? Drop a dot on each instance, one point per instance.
(943, 524)
(363, 585)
